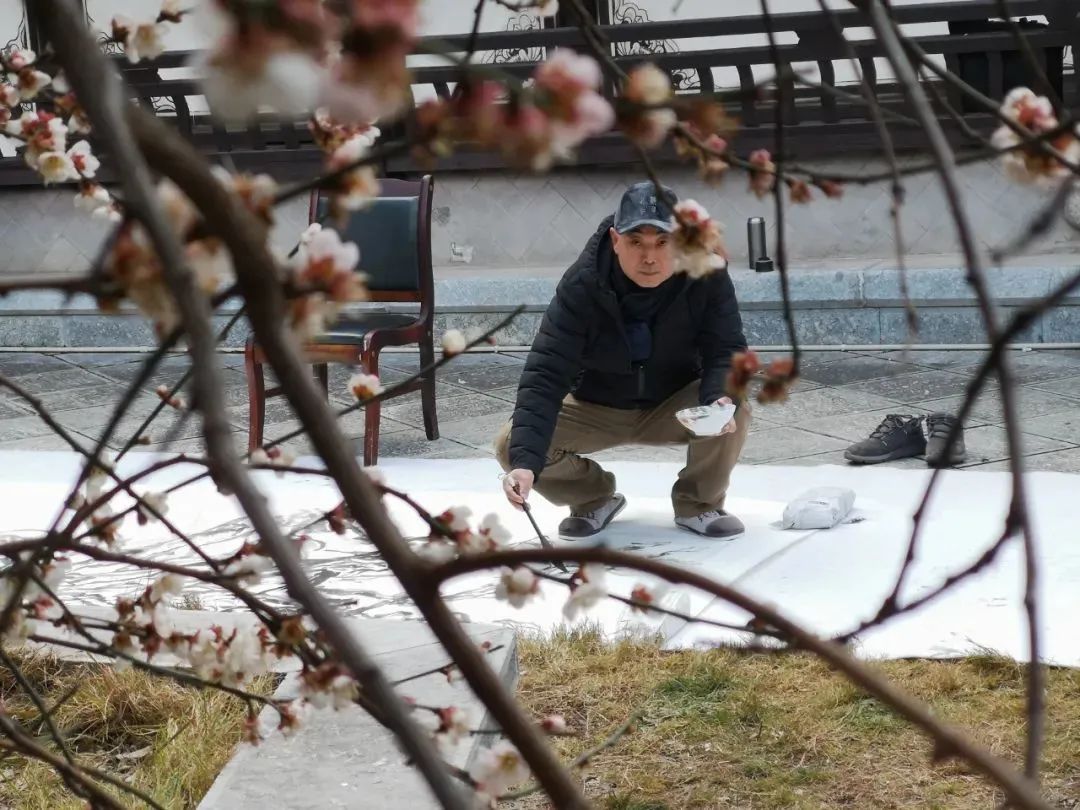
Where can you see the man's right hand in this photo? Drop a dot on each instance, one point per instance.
(517, 484)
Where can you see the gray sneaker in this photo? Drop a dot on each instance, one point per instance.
(938, 426)
(714, 523)
(586, 524)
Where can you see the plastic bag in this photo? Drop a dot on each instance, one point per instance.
(819, 508)
(706, 420)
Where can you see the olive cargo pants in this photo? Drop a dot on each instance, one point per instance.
(568, 479)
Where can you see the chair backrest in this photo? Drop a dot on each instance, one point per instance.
(394, 237)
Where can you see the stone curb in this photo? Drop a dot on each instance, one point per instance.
(851, 306)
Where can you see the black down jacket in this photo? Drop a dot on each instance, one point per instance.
(582, 348)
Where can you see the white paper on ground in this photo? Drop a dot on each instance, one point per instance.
(828, 580)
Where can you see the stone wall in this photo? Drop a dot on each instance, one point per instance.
(511, 222)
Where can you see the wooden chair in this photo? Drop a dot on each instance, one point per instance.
(394, 236)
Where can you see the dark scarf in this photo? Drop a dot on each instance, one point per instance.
(639, 307)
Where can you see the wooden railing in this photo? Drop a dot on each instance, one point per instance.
(818, 123)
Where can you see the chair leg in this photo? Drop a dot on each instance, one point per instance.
(256, 382)
(322, 374)
(427, 388)
(369, 360)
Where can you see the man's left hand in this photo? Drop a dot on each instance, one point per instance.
(730, 427)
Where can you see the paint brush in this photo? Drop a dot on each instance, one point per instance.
(543, 540)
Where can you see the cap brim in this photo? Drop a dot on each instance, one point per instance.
(659, 224)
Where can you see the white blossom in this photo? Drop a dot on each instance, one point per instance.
(587, 592)
(32, 82)
(144, 40)
(499, 768)
(164, 586)
(453, 342)
(454, 726)
(456, 518)
(249, 568)
(288, 81)
(325, 247)
(365, 386)
(153, 504)
(56, 167)
(437, 551)
(516, 586)
(339, 693)
(360, 186)
(492, 528)
(86, 164)
(92, 197)
(54, 571)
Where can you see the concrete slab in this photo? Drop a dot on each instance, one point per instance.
(355, 761)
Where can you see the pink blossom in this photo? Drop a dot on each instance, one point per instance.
(19, 58)
(642, 596)
(566, 70)
(650, 87)
(1033, 112)
(402, 15)
(31, 82)
(762, 172)
(554, 724)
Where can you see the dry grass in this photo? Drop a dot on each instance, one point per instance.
(725, 728)
(166, 739)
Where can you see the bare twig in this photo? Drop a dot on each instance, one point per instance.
(889, 37)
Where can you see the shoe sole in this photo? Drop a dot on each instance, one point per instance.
(611, 517)
(711, 536)
(952, 462)
(893, 456)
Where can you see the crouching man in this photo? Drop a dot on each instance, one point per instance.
(626, 343)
